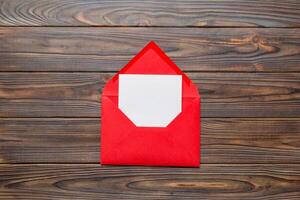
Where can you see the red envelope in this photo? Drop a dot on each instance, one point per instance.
(125, 143)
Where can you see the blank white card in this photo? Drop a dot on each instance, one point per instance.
(150, 100)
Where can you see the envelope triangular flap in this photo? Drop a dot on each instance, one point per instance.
(152, 60)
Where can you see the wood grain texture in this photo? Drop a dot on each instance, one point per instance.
(245, 61)
(262, 182)
(78, 94)
(40, 140)
(223, 140)
(109, 49)
(237, 13)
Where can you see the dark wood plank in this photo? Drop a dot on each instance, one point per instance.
(55, 140)
(204, 13)
(78, 94)
(263, 182)
(108, 49)
(41, 140)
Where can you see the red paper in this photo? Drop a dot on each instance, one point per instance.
(123, 143)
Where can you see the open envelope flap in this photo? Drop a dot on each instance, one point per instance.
(152, 60)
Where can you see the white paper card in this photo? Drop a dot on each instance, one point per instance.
(150, 100)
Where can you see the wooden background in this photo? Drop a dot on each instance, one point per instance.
(56, 55)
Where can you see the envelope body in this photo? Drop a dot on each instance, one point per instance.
(125, 143)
